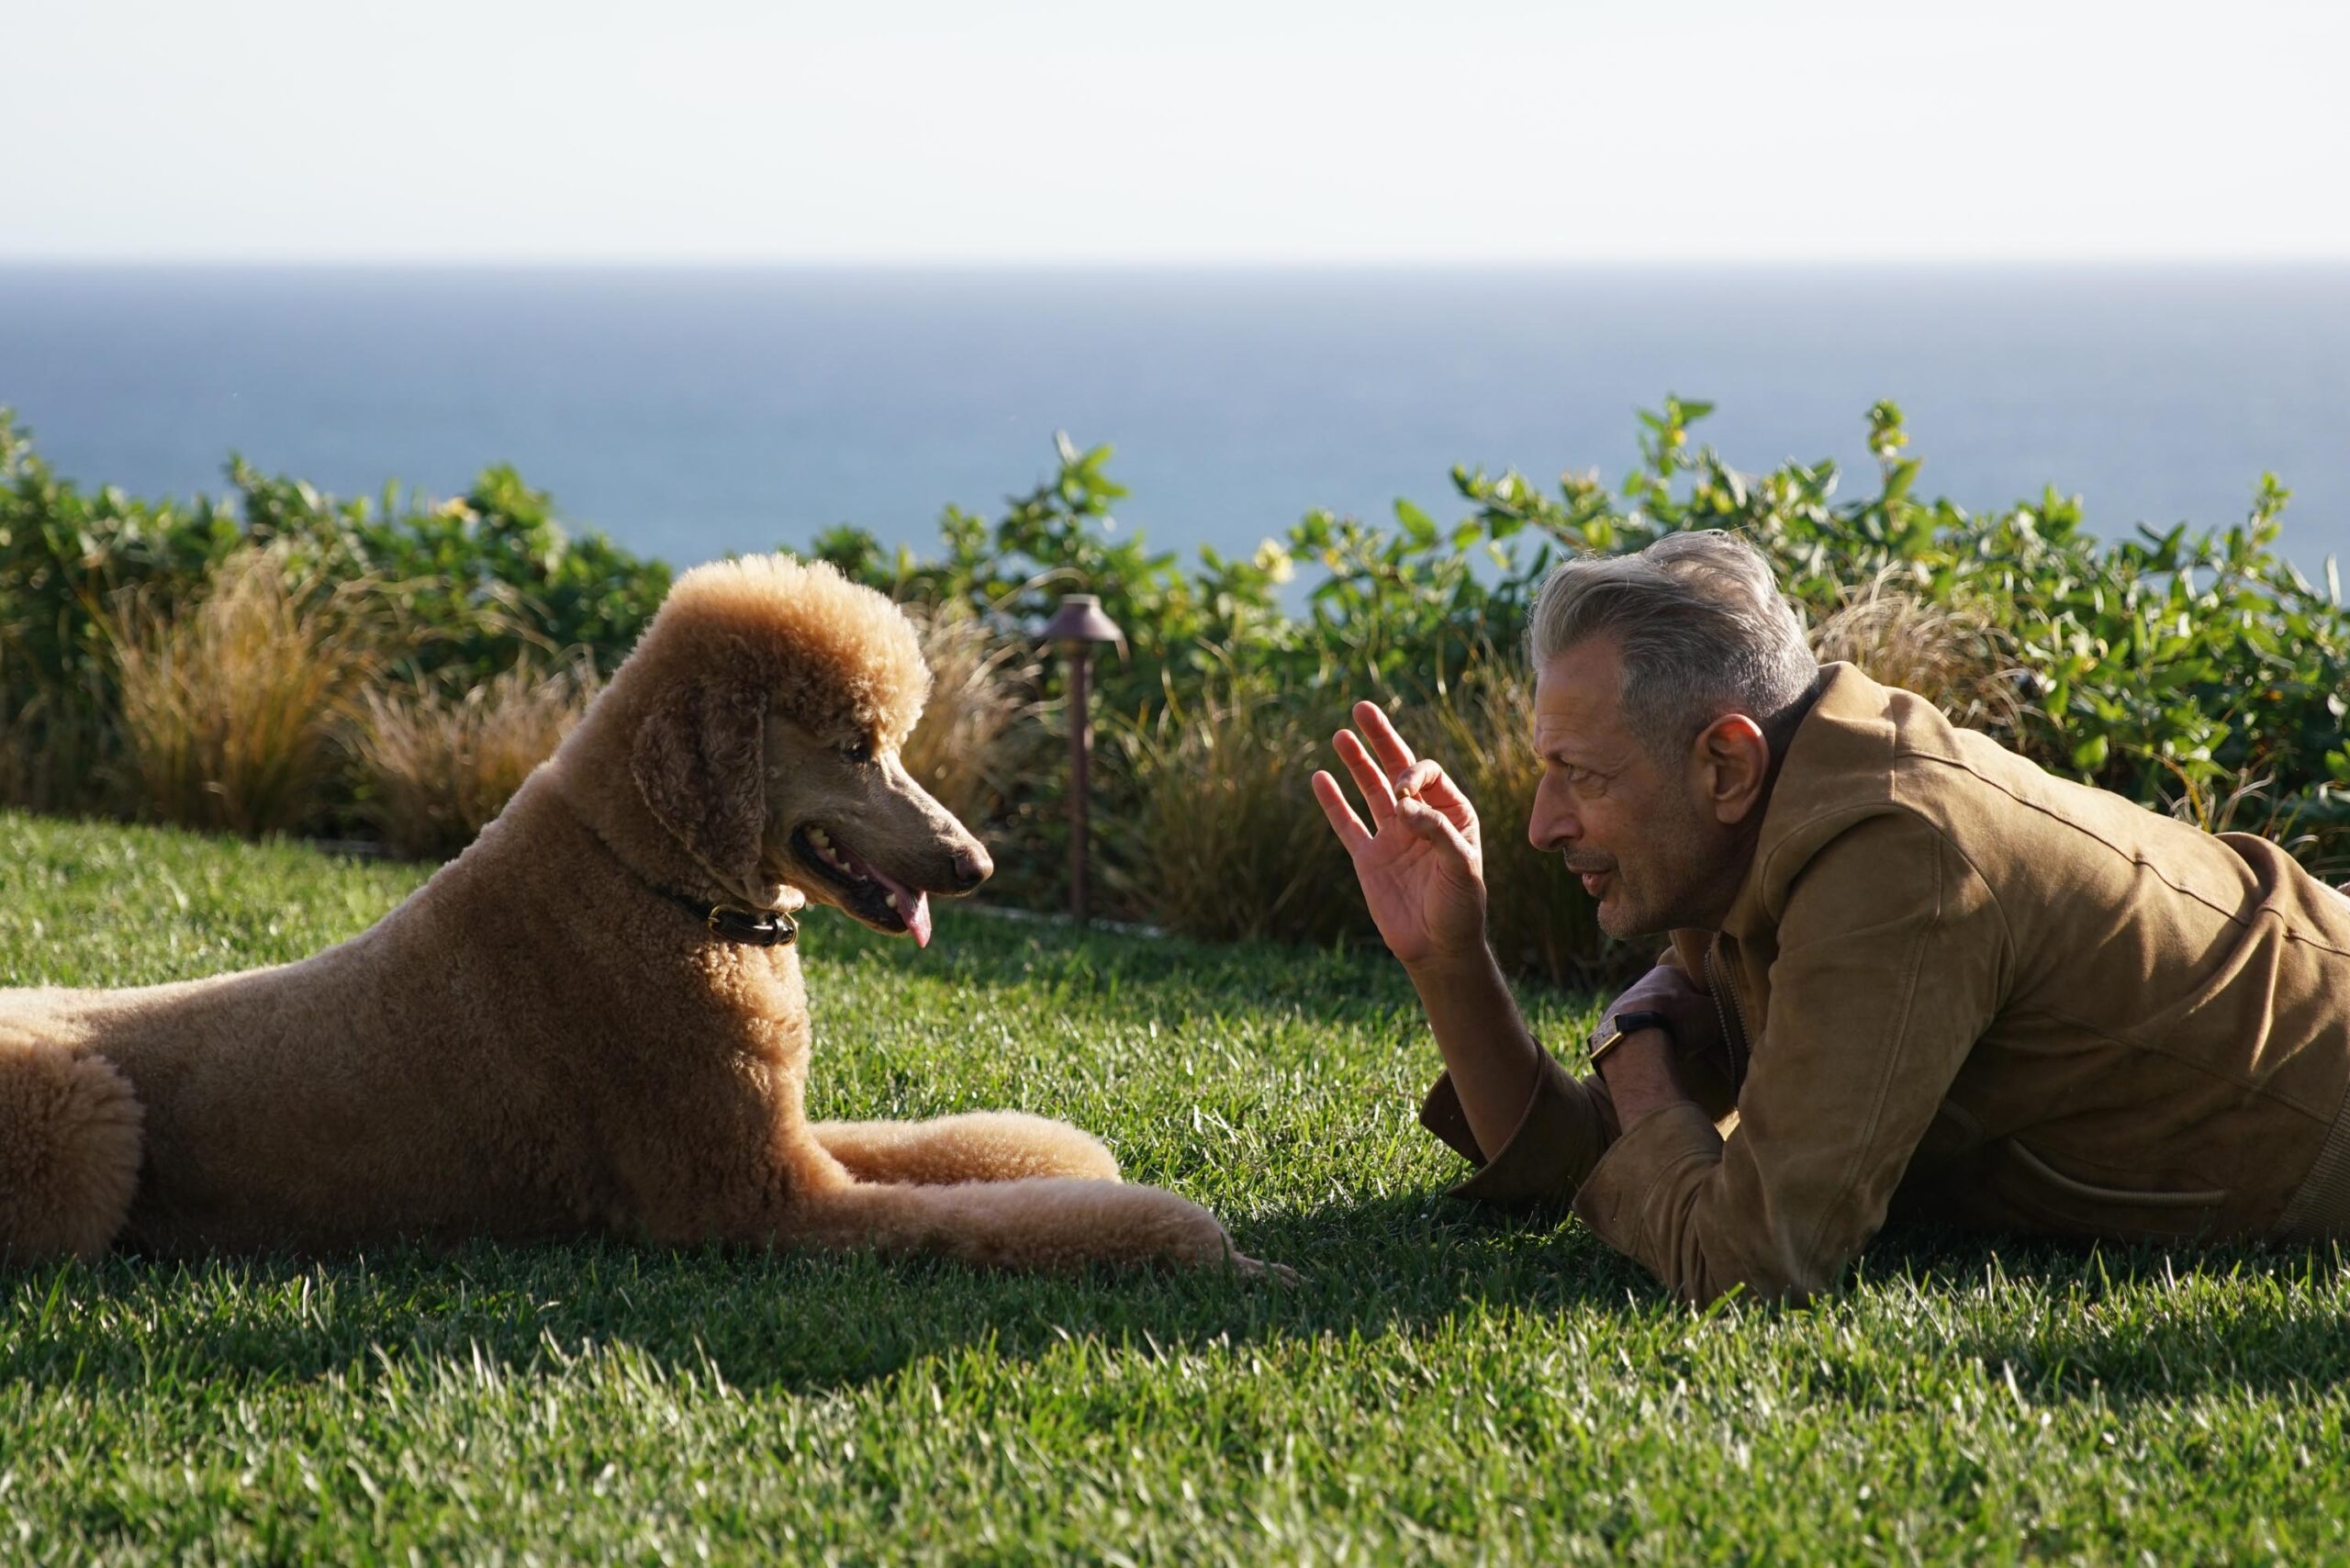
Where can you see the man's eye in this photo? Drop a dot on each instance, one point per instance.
(858, 751)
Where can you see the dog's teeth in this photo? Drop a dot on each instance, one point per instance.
(893, 900)
(820, 838)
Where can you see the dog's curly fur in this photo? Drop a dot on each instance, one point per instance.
(541, 1043)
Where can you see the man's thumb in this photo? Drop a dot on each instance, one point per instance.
(1431, 824)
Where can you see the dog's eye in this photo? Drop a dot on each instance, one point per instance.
(858, 751)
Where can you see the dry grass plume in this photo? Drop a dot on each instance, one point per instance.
(1952, 655)
(982, 687)
(1226, 842)
(233, 705)
(438, 766)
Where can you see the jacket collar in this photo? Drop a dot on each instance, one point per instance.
(1840, 755)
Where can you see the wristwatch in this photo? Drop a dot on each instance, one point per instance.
(1614, 1032)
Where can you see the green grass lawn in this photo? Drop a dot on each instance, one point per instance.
(1445, 1383)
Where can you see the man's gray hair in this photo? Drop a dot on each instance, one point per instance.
(1702, 629)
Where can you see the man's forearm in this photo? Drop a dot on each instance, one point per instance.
(1487, 1048)
(1640, 1077)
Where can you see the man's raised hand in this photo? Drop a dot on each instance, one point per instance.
(1421, 861)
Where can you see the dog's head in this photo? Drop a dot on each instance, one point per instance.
(769, 700)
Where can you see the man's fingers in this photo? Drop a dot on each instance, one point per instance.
(1343, 821)
(1393, 756)
(1367, 776)
(1445, 796)
(1426, 780)
(1425, 821)
(1415, 780)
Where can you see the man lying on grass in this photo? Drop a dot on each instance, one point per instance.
(1909, 973)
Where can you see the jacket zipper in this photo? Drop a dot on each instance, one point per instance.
(1731, 1012)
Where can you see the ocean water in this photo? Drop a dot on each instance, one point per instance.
(691, 412)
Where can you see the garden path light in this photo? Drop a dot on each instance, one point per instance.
(1076, 625)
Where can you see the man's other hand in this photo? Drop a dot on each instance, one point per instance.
(1698, 1056)
(1688, 1008)
(1421, 862)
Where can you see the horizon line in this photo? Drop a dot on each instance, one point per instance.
(1674, 262)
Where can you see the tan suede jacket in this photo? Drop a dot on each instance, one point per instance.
(1956, 988)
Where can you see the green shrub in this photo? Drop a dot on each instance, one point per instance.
(476, 586)
(2190, 670)
(2176, 667)
(2178, 660)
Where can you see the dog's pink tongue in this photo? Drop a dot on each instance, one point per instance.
(914, 908)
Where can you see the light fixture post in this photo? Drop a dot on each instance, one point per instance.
(1077, 626)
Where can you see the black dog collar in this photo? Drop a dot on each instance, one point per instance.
(728, 922)
(754, 927)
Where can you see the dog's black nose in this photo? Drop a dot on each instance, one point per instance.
(972, 866)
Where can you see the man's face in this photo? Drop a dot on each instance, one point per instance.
(1633, 821)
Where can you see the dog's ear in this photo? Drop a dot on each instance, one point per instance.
(699, 762)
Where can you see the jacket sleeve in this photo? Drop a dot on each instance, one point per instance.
(1569, 1121)
(1891, 957)
(1567, 1124)
(1707, 1074)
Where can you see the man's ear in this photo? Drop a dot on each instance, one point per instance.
(1736, 760)
(699, 761)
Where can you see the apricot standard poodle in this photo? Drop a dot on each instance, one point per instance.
(592, 1022)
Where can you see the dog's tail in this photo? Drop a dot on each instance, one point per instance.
(69, 1150)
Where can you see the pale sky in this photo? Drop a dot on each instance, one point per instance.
(1202, 131)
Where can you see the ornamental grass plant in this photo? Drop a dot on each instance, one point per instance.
(234, 705)
(437, 765)
(977, 726)
(1224, 841)
(1229, 844)
(1953, 655)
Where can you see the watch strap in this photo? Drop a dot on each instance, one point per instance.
(1614, 1031)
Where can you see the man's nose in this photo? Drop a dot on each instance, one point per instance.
(1548, 827)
